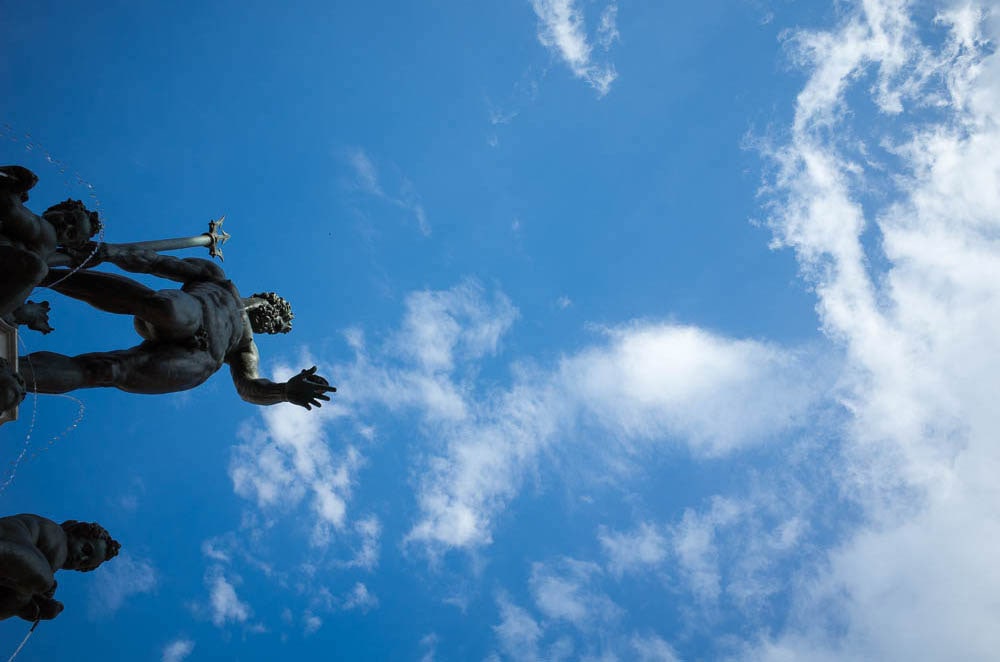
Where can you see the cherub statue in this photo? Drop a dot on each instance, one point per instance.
(188, 333)
(28, 244)
(32, 549)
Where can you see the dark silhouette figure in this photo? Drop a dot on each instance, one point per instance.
(32, 549)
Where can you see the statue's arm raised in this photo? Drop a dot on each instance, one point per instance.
(140, 261)
(143, 261)
(305, 389)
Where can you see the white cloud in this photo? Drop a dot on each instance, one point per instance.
(211, 549)
(694, 543)
(177, 650)
(429, 643)
(919, 581)
(359, 598)
(225, 605)
(607, 31)
(626, 552)
(648, 385)
(441, 327)
(369, 530)
(563, 591)
(289, 460)
(311, 623)
(643, 385)
(121, 578)
(518, 633)
(654, 380)
(365, 172)
(561, 29)
(652, 648)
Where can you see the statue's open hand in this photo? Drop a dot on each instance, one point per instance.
(48, 608)
(306, 389)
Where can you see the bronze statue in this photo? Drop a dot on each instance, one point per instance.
(188, 333)
(32, 549)
(30, 244)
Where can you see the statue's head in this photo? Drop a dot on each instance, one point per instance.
(74, 223)
(89, 544)
(269, 313)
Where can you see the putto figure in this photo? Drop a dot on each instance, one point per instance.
(32, 549)
(188, 333)
(28, 244)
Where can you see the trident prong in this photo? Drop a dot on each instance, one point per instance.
(217, 237)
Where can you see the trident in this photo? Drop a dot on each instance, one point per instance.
(212, 239)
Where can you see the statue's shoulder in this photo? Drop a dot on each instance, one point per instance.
(17, 179)
(25, 527)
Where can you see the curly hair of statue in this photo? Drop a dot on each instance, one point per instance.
(92, 531)
(55, 214)
(274, 315)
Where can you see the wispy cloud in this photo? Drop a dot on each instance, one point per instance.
(629, 552)
(562, 29)
(518, 633)
(122, 578)
(224, 604)
(289, 460)
(644, 384)
(576, 620)
(562, 591)
(178, 650)
(369, 530)
(359, 598)
(367, 180)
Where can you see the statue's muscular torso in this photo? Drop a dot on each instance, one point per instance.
(225, 326)
(205, 328)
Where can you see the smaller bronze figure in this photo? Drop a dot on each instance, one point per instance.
(32, 549)
(30, 243)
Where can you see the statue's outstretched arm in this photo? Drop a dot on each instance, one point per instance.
(243, 365)
(143, 261)
(305, 389)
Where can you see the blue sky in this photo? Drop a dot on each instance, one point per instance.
(661, 332)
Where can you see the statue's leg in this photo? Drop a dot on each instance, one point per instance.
(146, 368)
(174, 314)
(111, 293)
(20, 272)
